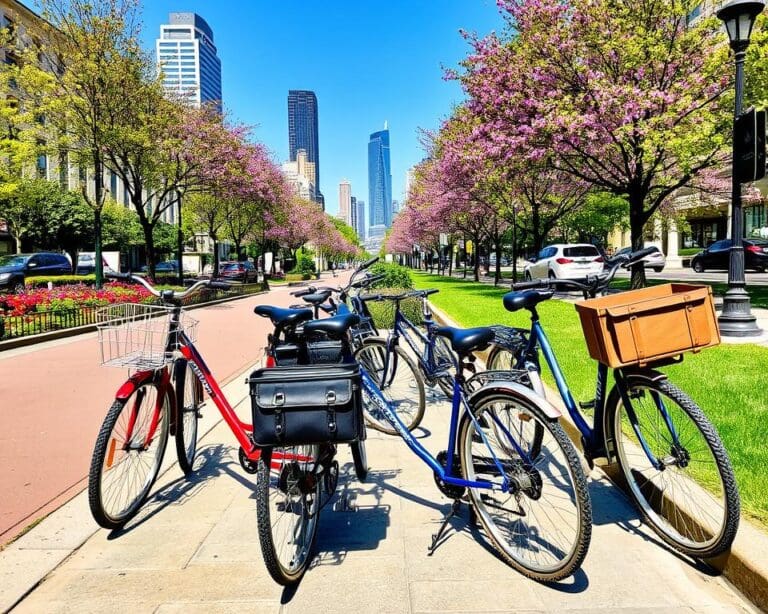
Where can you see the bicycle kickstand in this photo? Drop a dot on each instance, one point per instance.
(436, 537)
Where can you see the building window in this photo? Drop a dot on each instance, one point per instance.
(113, 185)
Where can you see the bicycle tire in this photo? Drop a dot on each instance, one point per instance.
(552, 489)
(360, 459)
(405, 392)
(189, 397)
(107, 475)
(286, 553)
(714, 480)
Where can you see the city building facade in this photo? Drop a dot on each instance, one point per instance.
(353, 213)
(303, 134)
(345, 202)
(379, 180)
(360, 219)
(187, 57)
(299, 174)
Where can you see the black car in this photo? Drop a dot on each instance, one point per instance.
(717, 255)
(14, 268)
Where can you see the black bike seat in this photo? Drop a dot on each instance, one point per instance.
(466, 340)
(335, 327)
(283, 317)
(317, 297)
(525, 299)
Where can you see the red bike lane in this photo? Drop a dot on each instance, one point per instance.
(53, 399)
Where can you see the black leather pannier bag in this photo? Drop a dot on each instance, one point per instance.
(299, 405)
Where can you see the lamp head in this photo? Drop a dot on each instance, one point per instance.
(739, 18)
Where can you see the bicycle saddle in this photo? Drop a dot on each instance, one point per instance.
(317, 297)
(466, 340)
(283, 317)
(335, 327)
(525, 299)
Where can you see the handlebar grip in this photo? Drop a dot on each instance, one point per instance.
(369, 263)
(113, 275)
(370, 297)
(304, 291)
(637, 256)
(218, 285)
(531, 285)
(430, 291)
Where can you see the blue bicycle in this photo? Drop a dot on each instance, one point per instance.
(670, 456)
(507, 449)
(391, 363)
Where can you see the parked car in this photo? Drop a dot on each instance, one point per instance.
(86, 264)
(656, 261)
(717, 255)
(565, 261)
(167, 266)
(15, 268)
(241, 271)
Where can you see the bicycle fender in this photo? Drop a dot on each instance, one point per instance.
(131, 384)
(649, 375)
(518, 390)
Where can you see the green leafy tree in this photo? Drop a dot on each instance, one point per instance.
(602, 213)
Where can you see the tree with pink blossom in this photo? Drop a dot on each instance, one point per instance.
(628, 98)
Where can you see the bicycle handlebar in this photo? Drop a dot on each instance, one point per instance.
(592, 283)
(210, 283)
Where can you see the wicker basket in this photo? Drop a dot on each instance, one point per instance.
(639, 327)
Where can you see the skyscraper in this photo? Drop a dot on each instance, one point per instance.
(345, 201)
(187, 57)
(360, 219)
(353, 214)
(303, 133)
(379, 180)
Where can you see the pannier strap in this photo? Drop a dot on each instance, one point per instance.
(330, 399)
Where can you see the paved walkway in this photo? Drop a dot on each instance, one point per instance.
(54, 396)
(194, 548)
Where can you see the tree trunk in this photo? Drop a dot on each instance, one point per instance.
(98, 169)
(180, 243)
(149, 240)
(514, 252)
(214, 238)
(450, 259)
(497, 272)
(636, 225)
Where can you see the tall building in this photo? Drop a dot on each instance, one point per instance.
(360, 219)
(345, 201)
(353, 214)
(186, 55)
(303, 133)
(379, 180)
(410, 177)
(298, 174)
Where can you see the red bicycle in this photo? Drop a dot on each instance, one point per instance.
(162, 397)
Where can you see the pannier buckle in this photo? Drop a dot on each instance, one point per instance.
(279, 398)
(330, 397)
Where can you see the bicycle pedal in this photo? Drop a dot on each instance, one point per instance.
(587, 404)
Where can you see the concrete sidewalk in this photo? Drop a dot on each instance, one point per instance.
(194, 548)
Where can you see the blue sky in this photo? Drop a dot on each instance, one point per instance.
(367, 61)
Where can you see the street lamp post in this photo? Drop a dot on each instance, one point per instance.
(736, 319)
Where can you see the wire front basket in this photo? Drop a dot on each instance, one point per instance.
(138, 336)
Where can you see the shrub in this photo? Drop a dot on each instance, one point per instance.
(395, 276)
(304, 265)
(70, 297)
(59, 280)
(383, 312)
(298, 277)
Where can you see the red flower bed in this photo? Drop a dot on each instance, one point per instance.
(72, 297)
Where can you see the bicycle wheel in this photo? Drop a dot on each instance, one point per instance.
(287, 507)
(692, 501)
(500, 359)
(444, 359)
(127, 456)
(542, 526)
(401, 385)
(360, 459)
(189, 397)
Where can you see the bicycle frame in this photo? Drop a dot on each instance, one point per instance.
(445, 473)
(426, 354)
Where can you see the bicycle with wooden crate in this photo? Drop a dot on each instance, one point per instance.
(669, 454)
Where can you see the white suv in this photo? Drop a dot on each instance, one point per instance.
(565, 261)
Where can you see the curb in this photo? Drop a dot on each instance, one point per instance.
(11, 344)
(745, 565)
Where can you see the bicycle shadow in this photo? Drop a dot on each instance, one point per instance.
(611, 505)
(212, 461)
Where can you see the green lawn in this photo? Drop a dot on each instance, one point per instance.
(729, 382)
